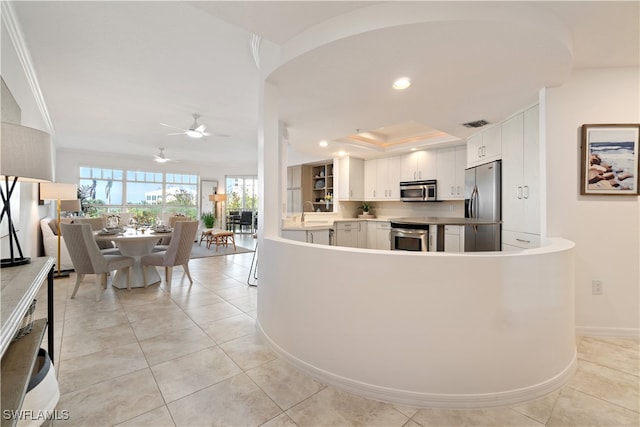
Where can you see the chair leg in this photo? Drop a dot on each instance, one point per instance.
(129, 278)
(168, 273)
(99, 280)
(233, 240)
(78, 280)
(186, 271)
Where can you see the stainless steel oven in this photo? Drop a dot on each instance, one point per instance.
(418, 191)
(407, 239)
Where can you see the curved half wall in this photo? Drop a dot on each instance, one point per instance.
(423, 329)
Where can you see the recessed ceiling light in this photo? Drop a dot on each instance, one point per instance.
(342, 153)
(323, 143)
(402, 83)
(412, 149)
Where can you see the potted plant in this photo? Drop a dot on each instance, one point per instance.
(208, 218)
(366, 208)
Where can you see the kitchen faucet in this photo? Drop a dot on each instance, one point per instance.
(303, 205)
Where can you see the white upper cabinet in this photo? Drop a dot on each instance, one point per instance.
(418, 165)
(351, 179)
(520, 177)
(451, 164)
(382, 178)
(484, 147)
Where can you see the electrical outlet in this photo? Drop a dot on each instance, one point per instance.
(596, 287)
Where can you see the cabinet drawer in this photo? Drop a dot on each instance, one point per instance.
(452, 229)
(348, 225)
(521, 240)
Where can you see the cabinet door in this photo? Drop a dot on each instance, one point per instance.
(427, 164)
(347, 234)
(351, 179)
(382, 236)
(361, 226)
(294, 176)
(393, 178)
(492, 143)
(408, 167)
(370, 179)
(452, 238)
(446, 173)
(531, 171)
(297, 235)
(294, 201)
(512, 188)
(371, 234)
(474, 149)
(460, 166)
(318, 237)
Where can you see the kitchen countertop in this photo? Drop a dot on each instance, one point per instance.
(293, 227)
(439, 220)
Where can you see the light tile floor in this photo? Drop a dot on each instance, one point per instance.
(193, 358)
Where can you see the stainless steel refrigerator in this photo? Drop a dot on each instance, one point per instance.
(483, 200)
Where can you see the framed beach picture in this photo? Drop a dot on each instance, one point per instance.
(609, 164)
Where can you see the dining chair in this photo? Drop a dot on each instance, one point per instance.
(87, 258)
(246, 219)
(233, 219)
(97, 224)
(177, 253)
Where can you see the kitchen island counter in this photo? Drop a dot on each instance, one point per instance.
(457, 330)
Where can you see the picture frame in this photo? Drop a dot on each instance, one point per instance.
(609, 159)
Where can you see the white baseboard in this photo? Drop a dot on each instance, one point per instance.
(427, 400)
(593, 331)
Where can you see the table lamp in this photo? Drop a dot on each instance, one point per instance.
(70, 206)
(25, 154)
(58, 191)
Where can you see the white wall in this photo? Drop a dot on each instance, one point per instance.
(604, 228)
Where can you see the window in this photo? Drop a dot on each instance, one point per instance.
(242, 193)
(142, 193)
(100, 190)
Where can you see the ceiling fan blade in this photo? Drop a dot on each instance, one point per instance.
(177, 133)
(173, 127)
(200, 128)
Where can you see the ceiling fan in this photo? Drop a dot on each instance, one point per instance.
(161, 157)
(196, 130)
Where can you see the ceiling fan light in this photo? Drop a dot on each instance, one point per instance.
(194, 133)
(161, 159)
(402, 83)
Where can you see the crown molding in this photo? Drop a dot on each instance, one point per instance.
(12, 25)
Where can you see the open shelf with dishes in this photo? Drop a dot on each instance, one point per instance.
(319, 190)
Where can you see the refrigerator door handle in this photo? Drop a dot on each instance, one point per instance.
(519, 193)
(475, 202)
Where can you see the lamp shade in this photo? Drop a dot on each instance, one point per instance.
(25, 153)
(220, 197)
(212, 197)
(70, 205)
(58, 191)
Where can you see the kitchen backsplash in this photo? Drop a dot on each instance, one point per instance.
(451, 208)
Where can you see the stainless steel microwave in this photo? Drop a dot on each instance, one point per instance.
(418, 191)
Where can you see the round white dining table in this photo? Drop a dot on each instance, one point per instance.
(135, 244)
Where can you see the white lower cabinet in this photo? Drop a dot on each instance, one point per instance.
(454, 238)
(520, 240)
(319, 237)
(383, 238)
(352, 234)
